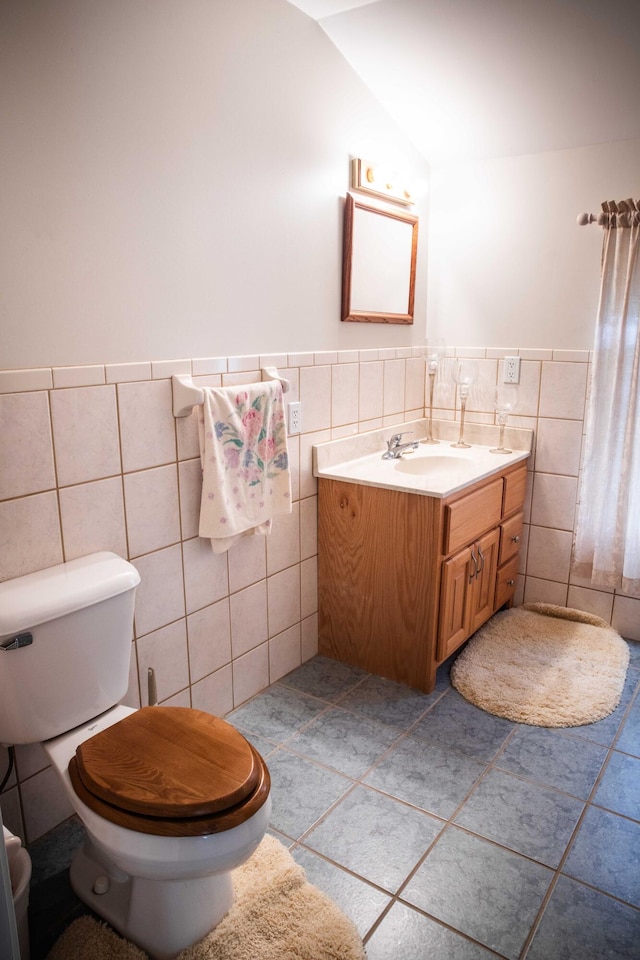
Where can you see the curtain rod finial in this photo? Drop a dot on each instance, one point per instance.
(584, 218)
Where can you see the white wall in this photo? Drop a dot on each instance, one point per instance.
(170, 176)
(508, 265)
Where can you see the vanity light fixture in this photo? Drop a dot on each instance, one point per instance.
(380, 181)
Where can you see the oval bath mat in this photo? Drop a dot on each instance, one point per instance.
(544, 665)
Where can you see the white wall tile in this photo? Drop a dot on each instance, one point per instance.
(554, 501)
(563, 390)
(315, 396)
(160, 594)
(151, 504)
(147, 425)
(248, 618)
(78, 376)
(85, 434)
(206, 577)
(20, 381)
(247, 560)
(214, 693)
(393, 387)
(26, 463)
(29, 535)
(309, 586)
(284, 599)
(345, 385)
(592, 601)
(209, 636)
(370, 397)
(190, 483)
(284, 653)
(166, 651)
(528, 388)
(626, 617)
(92, 517)
(250, 674)
(545, 591)
(126, 372)
(283, 543)
(414, 387)
(549, 554)
(558, 446)
(308, 527)
(309, 637)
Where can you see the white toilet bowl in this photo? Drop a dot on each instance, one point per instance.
(161, 892)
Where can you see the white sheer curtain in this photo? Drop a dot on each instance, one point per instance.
(607, 545)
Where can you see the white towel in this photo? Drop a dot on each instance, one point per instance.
(245, 462)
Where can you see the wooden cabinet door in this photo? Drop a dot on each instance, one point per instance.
(457, 581)
(484, 581)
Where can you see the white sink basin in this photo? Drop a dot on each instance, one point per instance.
(432, 464)
(436, 470)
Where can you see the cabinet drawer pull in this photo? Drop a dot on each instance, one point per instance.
(515, 539)
(510, 583)
(473, 575)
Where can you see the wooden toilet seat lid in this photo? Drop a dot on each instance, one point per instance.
(170, 762)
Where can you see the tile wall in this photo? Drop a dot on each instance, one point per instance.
(92, 459)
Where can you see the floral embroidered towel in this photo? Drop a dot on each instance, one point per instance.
(245, 463)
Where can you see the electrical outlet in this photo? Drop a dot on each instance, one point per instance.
(511, 370)
(295, 418)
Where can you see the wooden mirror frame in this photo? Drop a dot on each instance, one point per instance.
(363, 313)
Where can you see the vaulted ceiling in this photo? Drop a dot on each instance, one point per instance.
(481, 78)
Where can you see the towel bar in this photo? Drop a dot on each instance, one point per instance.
(187, 395)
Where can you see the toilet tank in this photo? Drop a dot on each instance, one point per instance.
(65, 645)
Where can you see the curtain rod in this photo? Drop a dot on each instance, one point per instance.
(625, 213)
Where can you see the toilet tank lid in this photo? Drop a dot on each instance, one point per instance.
(56, 591)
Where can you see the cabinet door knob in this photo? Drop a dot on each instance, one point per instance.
(510, 583)
(515, 539)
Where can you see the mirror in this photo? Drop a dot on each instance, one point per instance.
(378, 264)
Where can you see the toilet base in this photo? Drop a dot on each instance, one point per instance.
(162, 917)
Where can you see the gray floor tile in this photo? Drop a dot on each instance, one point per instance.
(484, 891)
(526, 817)
(567, 763)
(374, 836)
(619, 789)
(276, 713)
(456, 723)
(301, 792)
(582, 924)
(323, 677)
(405, 933)
(361, 902)
(606, 854)
(629, 739)
(427, 775)
(389, 702)
(344, 741)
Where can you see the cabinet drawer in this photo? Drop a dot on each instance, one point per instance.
(468, 517)
(510, 538)
(506, 582)
(515, 486)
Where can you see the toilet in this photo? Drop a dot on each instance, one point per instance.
(172, 799)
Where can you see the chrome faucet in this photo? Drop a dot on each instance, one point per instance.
(395, 448)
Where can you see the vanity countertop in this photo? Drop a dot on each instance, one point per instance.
(433, 470)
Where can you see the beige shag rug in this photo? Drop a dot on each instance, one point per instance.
(544, 665)
(277, 915)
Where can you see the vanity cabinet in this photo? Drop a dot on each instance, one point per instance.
(404, 579)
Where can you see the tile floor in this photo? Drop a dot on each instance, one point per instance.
(441, 830)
